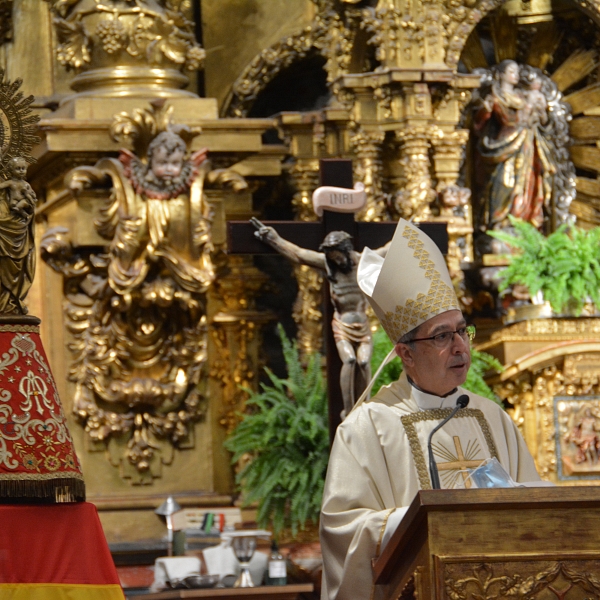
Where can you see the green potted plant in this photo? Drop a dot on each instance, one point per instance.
(283, 441)
(562, 269)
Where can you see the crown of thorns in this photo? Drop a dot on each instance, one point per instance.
(335, 239)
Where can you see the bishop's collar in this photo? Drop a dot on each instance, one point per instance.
(427, 401)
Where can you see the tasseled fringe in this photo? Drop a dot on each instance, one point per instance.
(50, 491)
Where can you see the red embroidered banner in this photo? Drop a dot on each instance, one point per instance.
(37, 457)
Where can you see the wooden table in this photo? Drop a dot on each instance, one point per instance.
(268, 592)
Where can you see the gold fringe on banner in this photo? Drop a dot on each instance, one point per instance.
(46, 489)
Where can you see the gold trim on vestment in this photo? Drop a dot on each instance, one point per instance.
(383, 526)
(438, 414)
(20, 328)
(378, 549)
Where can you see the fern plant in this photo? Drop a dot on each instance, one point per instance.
(564, 266)
(285, 436)
(481, 363)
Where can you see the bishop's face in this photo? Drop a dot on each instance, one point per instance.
(436, 369)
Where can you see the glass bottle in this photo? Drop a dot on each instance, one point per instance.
(276, 569)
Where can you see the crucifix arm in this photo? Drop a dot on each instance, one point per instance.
(294, 253)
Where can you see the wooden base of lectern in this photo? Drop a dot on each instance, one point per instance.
(534, 543)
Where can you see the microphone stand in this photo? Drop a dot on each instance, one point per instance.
(434, 475)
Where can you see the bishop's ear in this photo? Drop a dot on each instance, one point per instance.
(405, 353)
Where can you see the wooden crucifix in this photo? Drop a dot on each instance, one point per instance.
(309, 241)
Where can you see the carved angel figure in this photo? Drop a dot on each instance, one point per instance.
(141, 218)
(17, 250)
(137, 308)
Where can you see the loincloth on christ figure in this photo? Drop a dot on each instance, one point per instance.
(356, 333)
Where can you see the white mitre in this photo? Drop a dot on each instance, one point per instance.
(410, 285)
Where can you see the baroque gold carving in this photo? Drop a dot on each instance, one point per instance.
(136, 310)
(395, 34)
(265, 67)
(144, 31)
(17, 124)
(235, 332)
(335, 42)
(546, 329)
(305, 176)
(416, 194)
(132, 37)
(307, 311)
(463, 19)
(524, 579)
(552, 405)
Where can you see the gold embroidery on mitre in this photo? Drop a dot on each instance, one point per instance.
(439, 298)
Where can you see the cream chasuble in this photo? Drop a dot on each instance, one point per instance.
(379, 461)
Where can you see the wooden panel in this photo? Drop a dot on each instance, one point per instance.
(589, 187)
(507, 522)
(537, 579)
(511, 533)
(588, 97)
(586, 128)
(275, 592)
(586, 157)
(580, 64)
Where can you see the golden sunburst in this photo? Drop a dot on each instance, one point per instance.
(17, 124)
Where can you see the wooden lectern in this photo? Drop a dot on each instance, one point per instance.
(479, 544)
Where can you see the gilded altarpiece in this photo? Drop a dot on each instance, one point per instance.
(552, 385)
(402, 79)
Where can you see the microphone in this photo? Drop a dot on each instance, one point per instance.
(462, 402)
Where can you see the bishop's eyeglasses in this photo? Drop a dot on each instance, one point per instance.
(444, 339)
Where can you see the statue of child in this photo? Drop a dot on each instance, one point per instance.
(20, 195)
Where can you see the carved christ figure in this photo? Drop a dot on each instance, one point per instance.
(351, 329)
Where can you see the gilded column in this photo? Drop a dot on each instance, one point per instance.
(307, 307)
(455, 208)
(369, 170)
(235, 336)
(415, 193)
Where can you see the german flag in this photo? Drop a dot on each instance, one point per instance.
(55, 552)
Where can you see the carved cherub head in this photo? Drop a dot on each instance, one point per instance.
(166, 154)
(18, 167)
(454, 196)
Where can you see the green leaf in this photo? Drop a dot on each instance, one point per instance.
(285, 434)
(564, 266)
